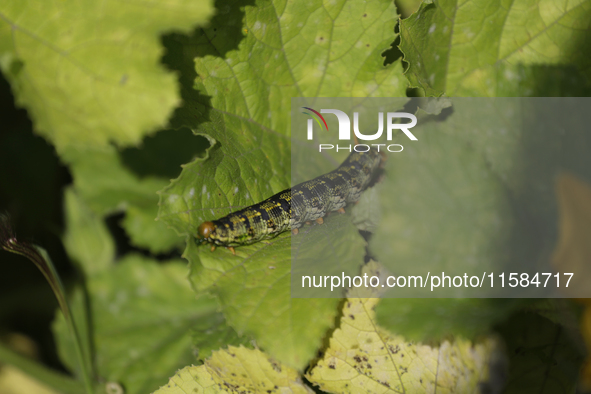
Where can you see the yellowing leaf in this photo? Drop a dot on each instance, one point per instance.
(573, 252)
(191, 379)
(240, 368)
(364, 358)
(236, 370)
(14, 381)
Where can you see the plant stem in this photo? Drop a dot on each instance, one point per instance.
(42, 261)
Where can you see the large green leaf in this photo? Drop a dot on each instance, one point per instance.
(289, 50)
(254, 287)
(90, 75)
(142, 313)
(500, 48)
(107, 187)
(110, 182)
(89, 72)
(251, 89)
(475, 195)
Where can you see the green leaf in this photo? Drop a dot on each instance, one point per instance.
(426, 319)
(87, 239)
(453, 203)
(237, 370)
(89, 73)
(213, 334)
(366, 214)
(543, 356)
(111, 182)
(364, 358)
(146, 232)
(142, 314)
(475, 195)
(254, 288)
(515, 48)
(104, 183)
(251, 90)
(249, 121)
(107, 186)
(65, 343)
(407, 7)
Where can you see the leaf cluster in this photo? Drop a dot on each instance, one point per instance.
(165, 114)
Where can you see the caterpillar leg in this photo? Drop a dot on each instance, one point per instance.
(295, 231)
(231, 249)
(212, 248)
(320, 221)
(341, 210)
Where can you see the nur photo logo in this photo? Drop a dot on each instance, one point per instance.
(344, 131)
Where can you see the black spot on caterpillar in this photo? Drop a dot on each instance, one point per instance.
(291, 208)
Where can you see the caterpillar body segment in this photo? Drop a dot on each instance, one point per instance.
(291, 208)
(257, 222)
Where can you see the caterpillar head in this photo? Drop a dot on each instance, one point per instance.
(205, 230)
(213, 233)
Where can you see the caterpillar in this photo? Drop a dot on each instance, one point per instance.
(291, 208)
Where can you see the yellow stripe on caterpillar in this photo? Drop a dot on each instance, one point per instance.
(291, 208)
